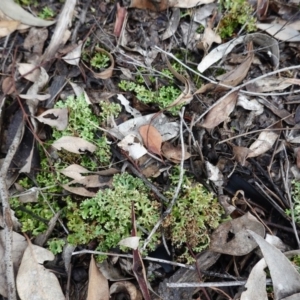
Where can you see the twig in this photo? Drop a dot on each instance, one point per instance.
(209, 284)
(8, 224)
(170, 206)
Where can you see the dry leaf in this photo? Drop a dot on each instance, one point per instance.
(220, 112)
(74, 145)
(74, 171)
(7, 86)
(120, 17)
(209, 37)
(240, 154)
(151, 138)
(73, 57)
(33, 280)
(172, 24)
(239, 244)
(81, 191)
(174, 153)
(131, 242)
(16, 12)
(134, 148)
(280, 32)
(8, 27)
(237, 75)
(98, 285)
(134, 112)
(264, 142)
(55, 117)
(32, 72)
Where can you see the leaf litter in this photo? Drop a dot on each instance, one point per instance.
(232, 131)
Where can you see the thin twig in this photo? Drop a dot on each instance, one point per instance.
(8, 224)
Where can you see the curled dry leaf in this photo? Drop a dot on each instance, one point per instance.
(174, 153)
(16, 12)
(220, 112)
(151, 138)
(264, 142)
(81, 191)
(126, 287)
(121, 14)
(98, 285)
(239, 244)
(55, 117)
(109, 71)
(33, 280)
(74, 145)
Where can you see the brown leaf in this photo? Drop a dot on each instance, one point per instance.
(121, 14)
(240, 154)
(174, 153)
(152, 138)
(237, 75)
(8, 27)
(98, 285)
(221, 111)
(7, 86)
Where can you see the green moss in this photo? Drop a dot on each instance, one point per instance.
(46, 13)
(163, 97)
(237, 14)
(296, 201)
(193, 217)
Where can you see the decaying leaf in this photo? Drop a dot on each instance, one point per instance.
(174, 153)
(74, 145)
(268, 84)
(131, 242)
(120, 17)
(172, 25)
(98, 285)
(151, 138)
(134, 112)
(209, 37)
(214, 174)
(264, 142)
(220, 112)
(232, 237)
(33, 280)
(134, 148)
(16, 12)
(55, 117)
